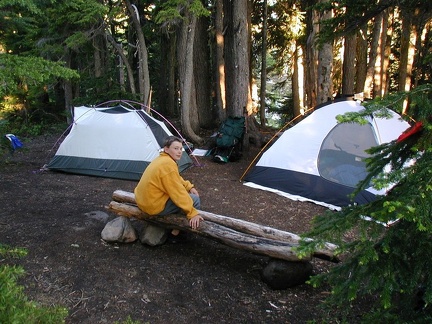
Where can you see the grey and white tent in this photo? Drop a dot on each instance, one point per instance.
(321, 161)
(112, 142)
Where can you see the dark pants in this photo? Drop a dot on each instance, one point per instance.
(171, 208)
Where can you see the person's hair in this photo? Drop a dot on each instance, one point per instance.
(171, 139)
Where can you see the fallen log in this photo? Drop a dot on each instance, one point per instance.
(230, 231)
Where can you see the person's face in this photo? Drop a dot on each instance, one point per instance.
(175, 150)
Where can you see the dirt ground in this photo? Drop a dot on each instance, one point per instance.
(202, 281)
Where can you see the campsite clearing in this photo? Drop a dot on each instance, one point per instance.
(51, 215)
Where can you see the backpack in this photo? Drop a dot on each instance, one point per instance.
(230, 132)
(229, 140)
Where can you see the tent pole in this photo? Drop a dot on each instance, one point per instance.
(268, 143)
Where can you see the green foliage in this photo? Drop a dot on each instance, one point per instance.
(350, 15)
(15, 307)
(172, 11)
(28, 5)
(28, 122)
(386, 244)
(18, 70)
(129, 320)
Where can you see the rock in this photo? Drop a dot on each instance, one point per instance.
(120, 230)
(153, 235)
(98, 215)
(280, 274)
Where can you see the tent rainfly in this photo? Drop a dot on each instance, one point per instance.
(112, 142)
(322, 161)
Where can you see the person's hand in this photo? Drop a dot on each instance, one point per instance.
(194, 191)
(194, 222)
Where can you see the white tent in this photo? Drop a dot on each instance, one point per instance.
(112, 142)
(321, 161)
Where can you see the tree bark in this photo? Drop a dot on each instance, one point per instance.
(167, 86)
(230, 231)
(263, 92)
(423, 47)
(185, 55)
(387, 52)
(202, 75)
(349, 67)
(368, 88)
(143, 71)
(325, 65)
(237, 57)
(297, 80)
(220, 62)
(361, 58)
(408, 39)
(311, 60)
(378, 85)
(123, 58)
(67, 87)
(97, 56)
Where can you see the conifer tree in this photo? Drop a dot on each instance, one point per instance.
(386, 245)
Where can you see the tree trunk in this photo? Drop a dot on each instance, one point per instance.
(97, 56)
(166, 97)
(387, 52)
(230, 231)
(263, 92)
(408, 40)
(163, 96)
(349, 67)
(202, 75)
(185, 57)
(124, 60)
(237, 56)
(407, 53)
(67, 87)
(220, 62)
(423, 47)
(297, 80)
(311, 60)
(361, 58)
(194, 117)
(172, 87)
(378, 86)
(143, 71)
(325, 65)
(368, 88)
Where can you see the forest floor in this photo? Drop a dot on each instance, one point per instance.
(51, 214)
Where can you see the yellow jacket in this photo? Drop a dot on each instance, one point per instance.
(161, 180)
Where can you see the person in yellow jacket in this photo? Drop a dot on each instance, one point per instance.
(162, 191)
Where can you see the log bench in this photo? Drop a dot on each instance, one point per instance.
(232, 232)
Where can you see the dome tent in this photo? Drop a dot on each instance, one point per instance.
(112, 142)
(320, 160)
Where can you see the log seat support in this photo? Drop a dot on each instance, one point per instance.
(233, 232)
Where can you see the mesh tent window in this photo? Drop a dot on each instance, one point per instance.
(342, 154)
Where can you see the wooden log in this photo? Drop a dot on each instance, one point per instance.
(227, 223)
(124, 196)
(230, 237)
